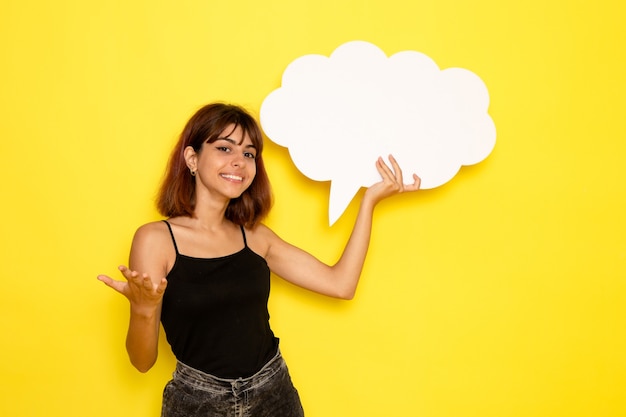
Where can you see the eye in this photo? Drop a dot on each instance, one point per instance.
(223, 148)
(249, 155)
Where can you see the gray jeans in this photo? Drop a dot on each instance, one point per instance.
(268, 393)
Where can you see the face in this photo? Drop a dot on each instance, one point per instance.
(226, 167)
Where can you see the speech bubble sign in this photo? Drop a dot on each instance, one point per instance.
(338, 114)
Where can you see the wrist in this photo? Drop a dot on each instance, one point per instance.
(146, 312)
(368, 203)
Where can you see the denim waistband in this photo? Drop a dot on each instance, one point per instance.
(210, 383)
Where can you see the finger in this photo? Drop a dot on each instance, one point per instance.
(147, 282)
(110, 282)
(131, 276)
(384, 170)
(128, 274)
(105, 278)
(161, 287)
(396, 169)
(417, 181)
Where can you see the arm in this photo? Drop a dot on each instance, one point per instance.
(341, 279)
(145, 295)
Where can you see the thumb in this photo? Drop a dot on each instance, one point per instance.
(110, 282)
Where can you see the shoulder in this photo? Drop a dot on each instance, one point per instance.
(261, 239)
(153, 233)
(152, 250)
(261, 232)
(152, 229)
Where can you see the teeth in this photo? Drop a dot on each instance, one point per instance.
(232, 177)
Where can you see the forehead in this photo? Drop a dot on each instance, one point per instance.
(237, 134)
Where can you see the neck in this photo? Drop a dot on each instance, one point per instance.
(210, 214)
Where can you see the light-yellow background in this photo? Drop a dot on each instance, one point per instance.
(498, 294)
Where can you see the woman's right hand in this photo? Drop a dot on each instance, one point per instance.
(151, 252)
(138, 288)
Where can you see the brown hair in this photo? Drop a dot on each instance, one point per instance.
(177, 195)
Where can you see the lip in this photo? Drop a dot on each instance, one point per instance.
(232, 177)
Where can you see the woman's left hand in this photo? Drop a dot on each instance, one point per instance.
(392, 182)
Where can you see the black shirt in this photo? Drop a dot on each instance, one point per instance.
(215, 312)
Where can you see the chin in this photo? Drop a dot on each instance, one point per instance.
(236, 196)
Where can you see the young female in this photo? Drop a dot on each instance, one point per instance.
(204, 273)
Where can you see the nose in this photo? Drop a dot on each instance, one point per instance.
(238, 161)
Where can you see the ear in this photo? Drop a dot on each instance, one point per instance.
(191, 158)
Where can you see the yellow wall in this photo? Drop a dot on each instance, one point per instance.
(498, 294)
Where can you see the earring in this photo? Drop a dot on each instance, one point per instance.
(193, 173)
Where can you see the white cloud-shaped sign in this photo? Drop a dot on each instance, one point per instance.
(338, 114)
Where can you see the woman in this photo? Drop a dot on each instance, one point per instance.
(204, 272)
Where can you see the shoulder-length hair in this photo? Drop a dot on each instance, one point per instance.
(177, 195)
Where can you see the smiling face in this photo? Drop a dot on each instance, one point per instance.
(225, 166)
(198, 147)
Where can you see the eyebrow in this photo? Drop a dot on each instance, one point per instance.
(229, 140)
